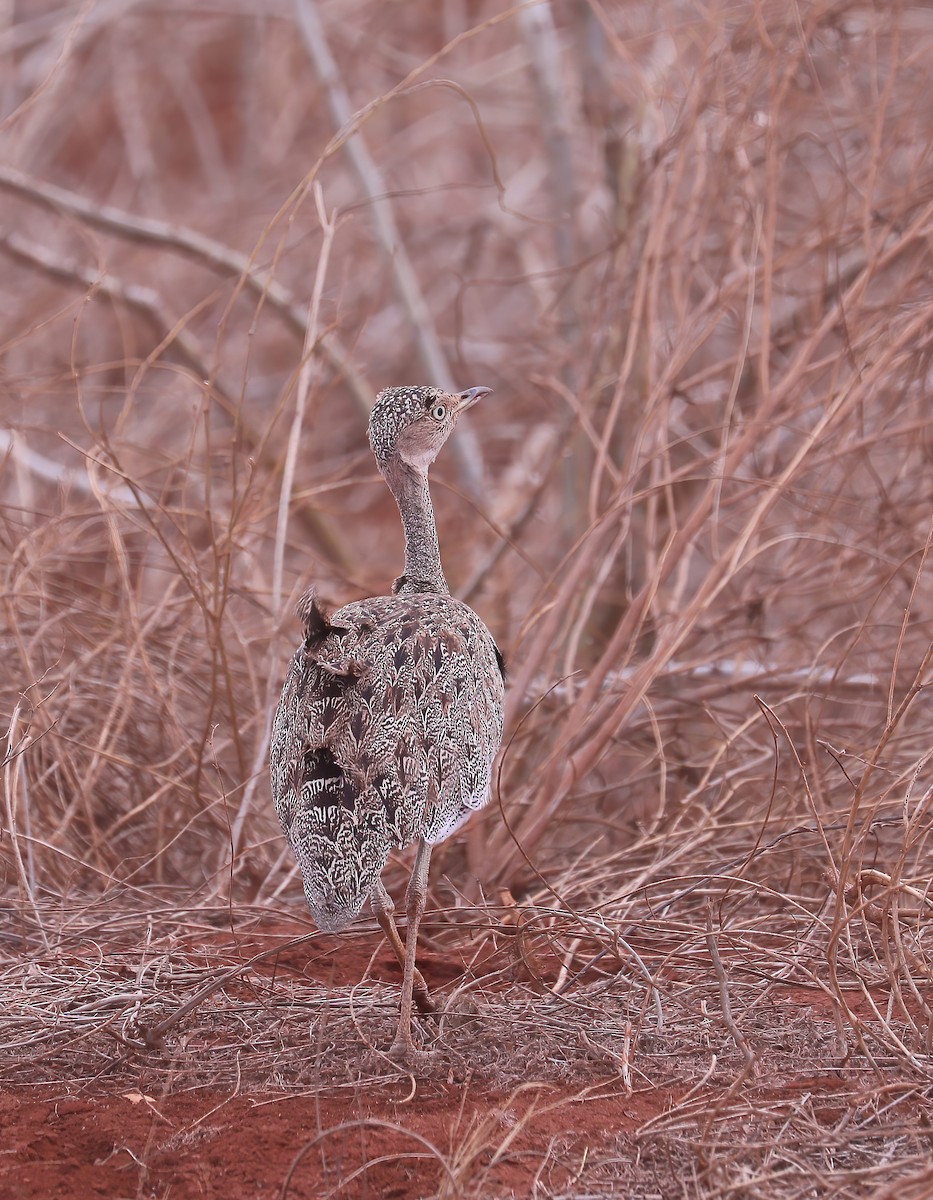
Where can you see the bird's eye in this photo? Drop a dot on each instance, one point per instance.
(438, 412)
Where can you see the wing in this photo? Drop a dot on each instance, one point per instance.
(340, 846)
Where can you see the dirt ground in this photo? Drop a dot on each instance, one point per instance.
(147, 1128)
(385, 1143)
(266, 1078)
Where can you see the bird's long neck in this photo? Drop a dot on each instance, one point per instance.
(423, 570)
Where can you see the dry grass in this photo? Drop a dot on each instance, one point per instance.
(696, 514)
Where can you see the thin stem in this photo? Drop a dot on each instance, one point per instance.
(328, 228)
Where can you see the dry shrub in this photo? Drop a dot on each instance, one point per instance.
(690, 250)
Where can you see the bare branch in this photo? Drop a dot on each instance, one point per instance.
(432, 356)
(223, 259)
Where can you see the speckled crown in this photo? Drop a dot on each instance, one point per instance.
(395, 408)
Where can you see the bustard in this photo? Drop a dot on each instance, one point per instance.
(391, 713)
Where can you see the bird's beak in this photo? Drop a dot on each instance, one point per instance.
(469, 398)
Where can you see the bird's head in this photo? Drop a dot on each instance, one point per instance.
(411, 424)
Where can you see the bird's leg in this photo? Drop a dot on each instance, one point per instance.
(384, 910)
(403, 1048)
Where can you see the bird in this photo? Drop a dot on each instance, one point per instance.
(391, 712)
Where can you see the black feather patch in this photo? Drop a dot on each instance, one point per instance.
(320, 764)
(500, 660)
(388, 802)
(319, 769)
(324, 781)
(312, 616)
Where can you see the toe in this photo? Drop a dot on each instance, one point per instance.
(406, 1054)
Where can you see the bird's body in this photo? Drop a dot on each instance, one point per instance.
(391, 713)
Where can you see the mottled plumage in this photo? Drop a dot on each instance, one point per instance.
(386, 732)
(391, 713)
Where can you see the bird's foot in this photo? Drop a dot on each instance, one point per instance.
(407, 1055)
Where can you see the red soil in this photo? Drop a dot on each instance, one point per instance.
(396, 1138)
(391, 1143)
(143, 1133)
